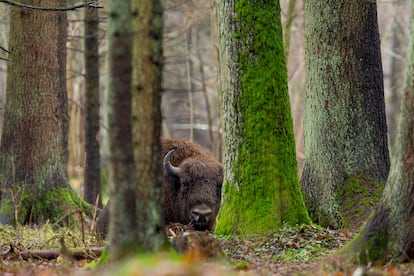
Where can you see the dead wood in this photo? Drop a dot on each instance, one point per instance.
(50, 254)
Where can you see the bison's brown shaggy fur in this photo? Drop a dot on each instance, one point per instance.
(198, 185)
(190, 197)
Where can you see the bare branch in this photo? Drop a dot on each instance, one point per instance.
(50, 254)
(20, 5)
(4, 49)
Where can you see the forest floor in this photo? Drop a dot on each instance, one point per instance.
(305, 250)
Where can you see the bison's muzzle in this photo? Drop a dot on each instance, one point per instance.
(201, 216)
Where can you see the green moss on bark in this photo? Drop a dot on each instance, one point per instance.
(56, 205)
(374, 248)
(371, 243)
(266, 190)
(357, 197)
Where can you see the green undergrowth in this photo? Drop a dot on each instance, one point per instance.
(60, 205)
(47, 236)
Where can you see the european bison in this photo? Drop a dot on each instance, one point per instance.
(191, 188)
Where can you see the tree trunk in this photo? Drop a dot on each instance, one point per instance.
(290, 15)
(92, 186)
(76, 104)
(261, 188)
(4, 38)
(389, 233)
(346, 154)
(122, 181)
(33, 153)
(398, 41)
(146, 120)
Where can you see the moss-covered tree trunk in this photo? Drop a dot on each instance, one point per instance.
(92, 186)
(346, 155)
(261, 188)
(389, 233)
(146, 120)
(33, 153)
(123, 229)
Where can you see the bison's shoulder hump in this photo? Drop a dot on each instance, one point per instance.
(183, 149)
(202, 166)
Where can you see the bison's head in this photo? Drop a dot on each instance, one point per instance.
(199, 182)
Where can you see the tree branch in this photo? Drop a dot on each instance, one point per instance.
(20, 5)
(4, 49)
(50, 254)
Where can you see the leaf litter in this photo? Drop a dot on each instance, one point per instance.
(300, 250)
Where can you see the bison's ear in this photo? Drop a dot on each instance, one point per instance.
(170, 168)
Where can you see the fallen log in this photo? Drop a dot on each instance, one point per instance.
(50, 254)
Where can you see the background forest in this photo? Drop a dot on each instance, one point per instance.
(192, 77)
(190, 100)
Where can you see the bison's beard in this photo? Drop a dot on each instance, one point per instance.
(201, 226)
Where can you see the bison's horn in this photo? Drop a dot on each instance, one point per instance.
(170, 168)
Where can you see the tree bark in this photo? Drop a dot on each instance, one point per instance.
(290, 15)
(389, 233)
(398, 39)
(261, 188)
(92, 186)
(146, 120)
(76, 104)
(33, 153)
(122, 224)
(346, 150)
